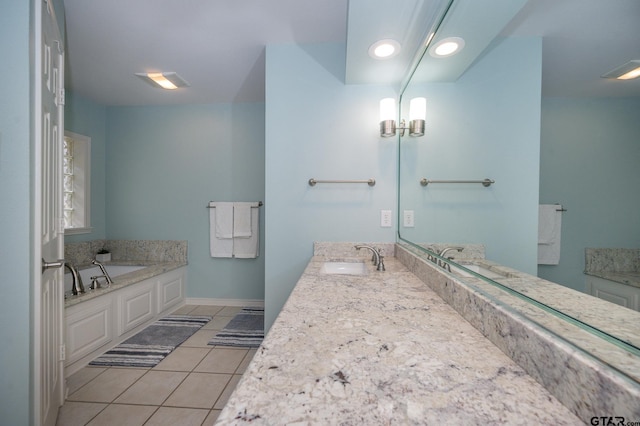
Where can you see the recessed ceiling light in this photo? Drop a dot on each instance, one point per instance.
(628, 71)
(446, 47)
(384, 49)
(163, 80)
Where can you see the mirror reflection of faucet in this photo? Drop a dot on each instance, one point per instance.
(442, 253)
(431, 257)
(448, 249)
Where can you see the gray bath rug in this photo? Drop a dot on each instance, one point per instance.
(154, 343)
(245, 330)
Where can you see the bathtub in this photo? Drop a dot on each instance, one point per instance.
(86, 274)
(97, 320)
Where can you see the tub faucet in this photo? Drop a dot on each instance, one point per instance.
(95, 283)
(104, 272)
(76, 283)
(377, 257)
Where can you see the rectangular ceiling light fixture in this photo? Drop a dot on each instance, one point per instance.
(627, 71)
(163, 80)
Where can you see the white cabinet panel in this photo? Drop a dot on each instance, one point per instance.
(136, 305)
(89, 327)
(170, 289)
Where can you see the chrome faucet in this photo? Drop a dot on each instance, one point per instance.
(95, 283)
(377, 258)
(104, 272)
(76, 283)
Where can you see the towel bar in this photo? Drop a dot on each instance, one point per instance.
(253, 207)
(484, 182)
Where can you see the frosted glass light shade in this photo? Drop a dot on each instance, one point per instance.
(418, 109)
(387, 109)
(164, 80)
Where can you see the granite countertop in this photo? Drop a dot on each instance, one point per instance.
(379, 349)
(152, 269)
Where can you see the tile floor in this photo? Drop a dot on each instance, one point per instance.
(189, 387)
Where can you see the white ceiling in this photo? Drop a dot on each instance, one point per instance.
(219, 46)
(582, 39)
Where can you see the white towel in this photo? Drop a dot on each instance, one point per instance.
(549, 231)
(219, 246)
(249, 248)
(224, 219)
(242, 219)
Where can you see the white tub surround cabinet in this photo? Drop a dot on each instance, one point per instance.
(380, 349)
(101, 319)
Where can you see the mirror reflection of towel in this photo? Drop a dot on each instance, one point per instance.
(549, 231)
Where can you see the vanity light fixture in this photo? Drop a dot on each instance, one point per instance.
(384, 49)
(387, 117)
(628, 71)
(163, 80)
(447, 47)
(417, 117)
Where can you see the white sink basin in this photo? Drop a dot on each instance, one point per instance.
(343, 268)
(478, 269)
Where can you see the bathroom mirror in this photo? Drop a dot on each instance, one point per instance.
(574, 145)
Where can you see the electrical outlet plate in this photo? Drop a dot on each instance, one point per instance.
(385, 218)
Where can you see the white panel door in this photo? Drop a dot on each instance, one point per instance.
(48, 227)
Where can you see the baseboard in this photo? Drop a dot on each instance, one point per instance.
(224, 302)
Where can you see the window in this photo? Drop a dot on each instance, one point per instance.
(76, 183)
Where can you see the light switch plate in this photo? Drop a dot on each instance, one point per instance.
(385, 218)
(408, 217)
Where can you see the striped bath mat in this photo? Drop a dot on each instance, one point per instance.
(245, 330)
(152, 344)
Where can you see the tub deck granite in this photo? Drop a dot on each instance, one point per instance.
(382, 349)
(152, 269)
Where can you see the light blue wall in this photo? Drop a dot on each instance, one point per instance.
(485, 125)
(318, 127)
(88, 118)
(15, 251)
(590, 162)
(165, 163)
